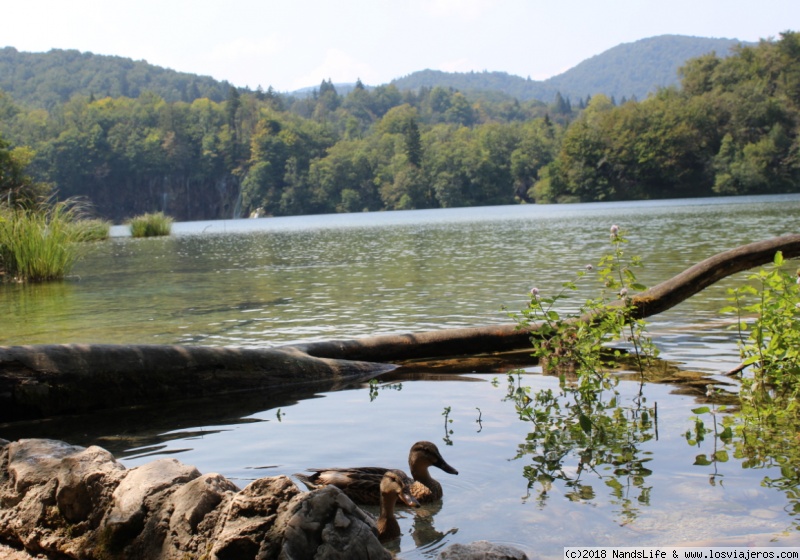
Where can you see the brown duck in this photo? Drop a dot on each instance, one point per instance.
(395, 486)
(362, 484)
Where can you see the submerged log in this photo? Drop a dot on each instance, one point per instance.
(45, 380)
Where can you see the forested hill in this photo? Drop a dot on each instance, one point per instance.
(48, 79)
(629, 70)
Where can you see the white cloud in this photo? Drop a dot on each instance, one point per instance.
(338, 66)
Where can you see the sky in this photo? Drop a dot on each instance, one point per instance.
(291, 44)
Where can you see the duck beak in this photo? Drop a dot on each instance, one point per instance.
(408, 499)
(442, 464)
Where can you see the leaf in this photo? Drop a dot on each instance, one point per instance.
(778, 259)
(721, 456)
(586, 424)
(702, 460)
(701, 410)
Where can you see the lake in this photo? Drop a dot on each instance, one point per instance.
(276, 281)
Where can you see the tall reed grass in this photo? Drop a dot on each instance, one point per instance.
(92, 229)
(40, 243)
(151, 225)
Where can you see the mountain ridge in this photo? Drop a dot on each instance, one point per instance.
(628, 70)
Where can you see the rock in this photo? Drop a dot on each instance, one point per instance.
(141, 486)
(481, 550)
(8, 553)
(66, 501)
(326, 524)
(52, 493)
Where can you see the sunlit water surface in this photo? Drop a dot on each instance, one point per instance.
(275, 281)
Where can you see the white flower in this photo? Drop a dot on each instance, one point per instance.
(614, 230)
(623, 292)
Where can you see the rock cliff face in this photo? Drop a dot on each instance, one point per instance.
(65, 501)
(183, 196)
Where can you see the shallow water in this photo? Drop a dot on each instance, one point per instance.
(276, 281)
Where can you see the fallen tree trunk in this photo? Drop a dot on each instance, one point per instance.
(44, 380)
(498, 338)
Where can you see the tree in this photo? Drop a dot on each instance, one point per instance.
(413, 143)
(16, 186)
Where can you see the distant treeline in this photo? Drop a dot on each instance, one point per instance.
(731, 128)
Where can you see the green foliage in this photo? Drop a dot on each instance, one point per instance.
(48, 79)
(577, 343)
(586, 421)
(16, 186)
(761, 431)
(151, 225)
(732, 130)
(768, 311)
(39, 244)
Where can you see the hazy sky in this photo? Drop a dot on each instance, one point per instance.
(289, 44)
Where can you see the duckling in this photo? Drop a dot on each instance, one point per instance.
(395, 485)
(362, 484)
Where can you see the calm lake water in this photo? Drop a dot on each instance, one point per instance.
(276, 281)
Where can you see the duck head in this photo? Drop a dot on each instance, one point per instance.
(426, 454)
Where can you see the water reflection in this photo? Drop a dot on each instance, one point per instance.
(578, 447)
(631, 490)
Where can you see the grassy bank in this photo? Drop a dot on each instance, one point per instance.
(42, 243)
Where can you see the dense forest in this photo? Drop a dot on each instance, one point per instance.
(731, 127)
(49, 79)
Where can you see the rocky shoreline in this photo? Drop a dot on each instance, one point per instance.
(63, 501)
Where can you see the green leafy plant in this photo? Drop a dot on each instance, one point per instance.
(580, 344)
(762, 430)
(447, 421)
(768, 324)
(375, 386)
(585, 420)
(721, 429)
